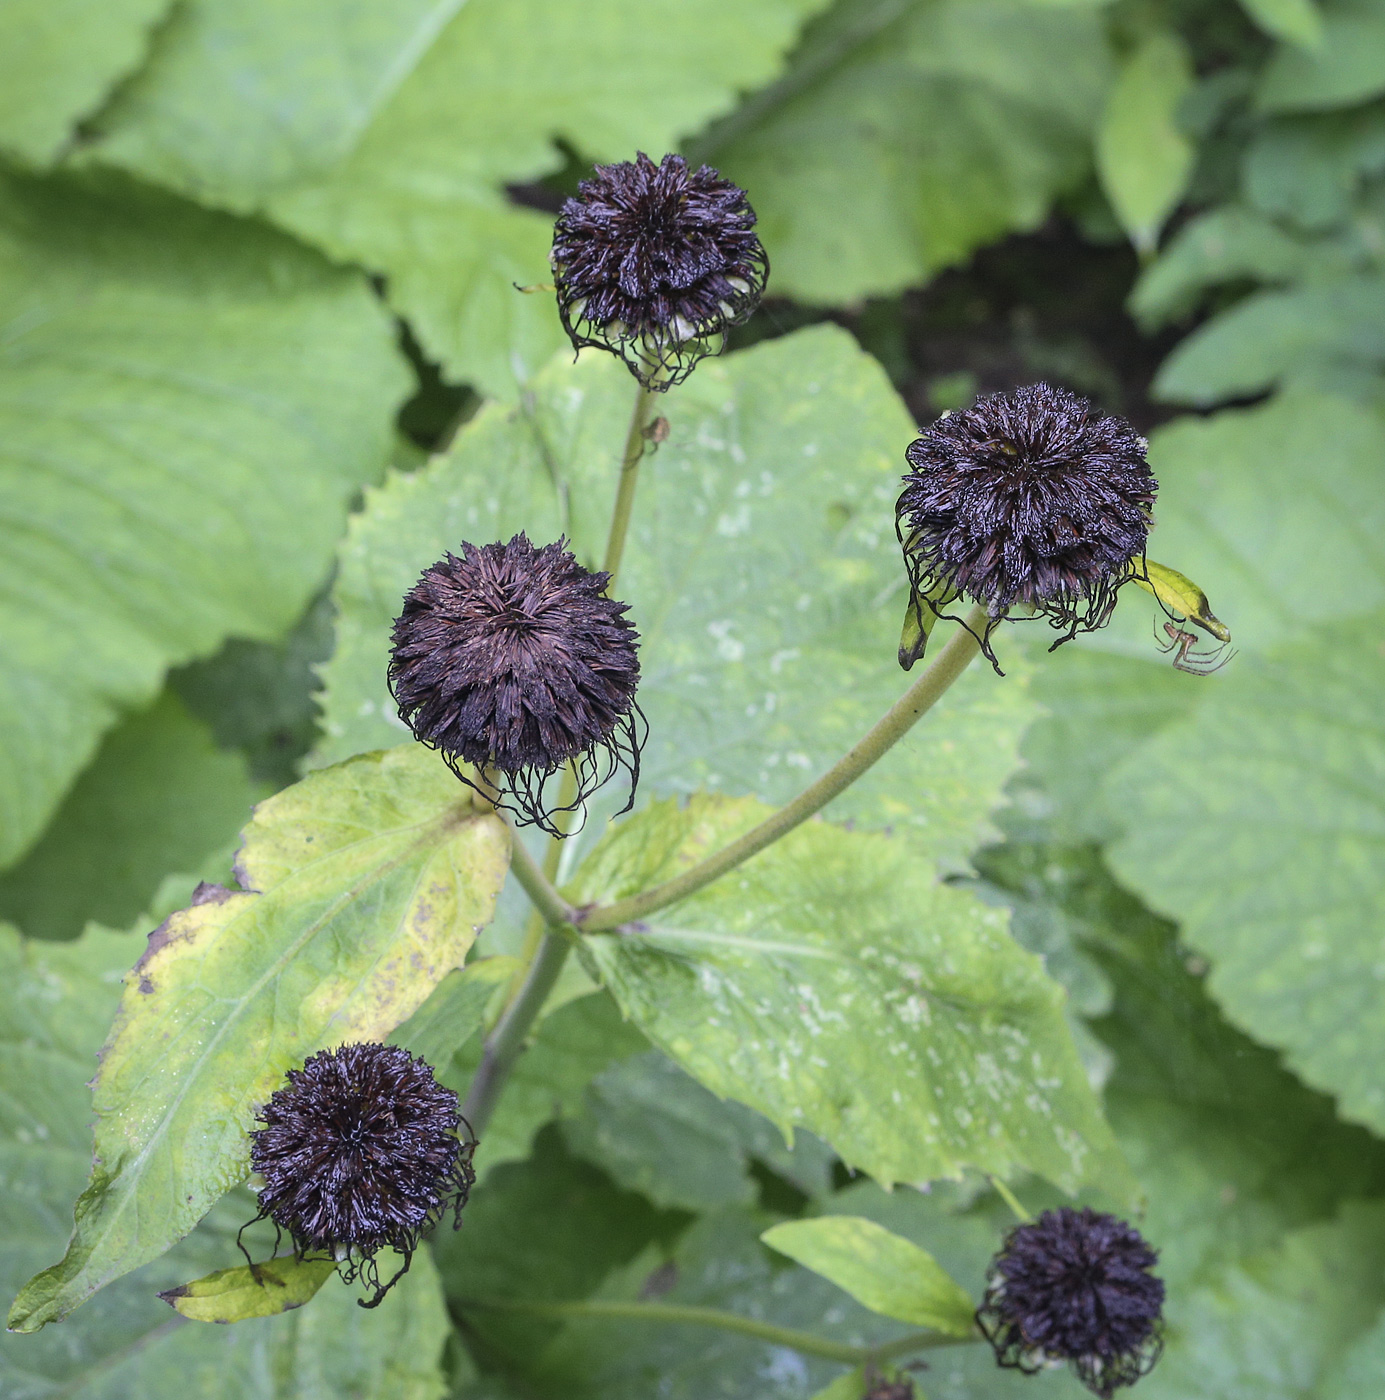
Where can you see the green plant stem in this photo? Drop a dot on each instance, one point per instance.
(809, 1343)
(949, 663)
(1010, 1199)
(506, 1042)
(536, 882)
(629, 477)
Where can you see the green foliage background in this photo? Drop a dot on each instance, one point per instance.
(261, 359)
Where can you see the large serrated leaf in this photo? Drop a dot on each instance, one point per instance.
(1259, 826)
(361, 888)
(187, 405)
(834, 985)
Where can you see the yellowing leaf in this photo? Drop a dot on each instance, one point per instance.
(363, 886)
(233, 1295)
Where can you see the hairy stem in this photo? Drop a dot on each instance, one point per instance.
(809, 1343)
(949, 663)
(629, 476)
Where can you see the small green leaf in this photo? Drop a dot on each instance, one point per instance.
(1298, 21)
(889, 1274)
(834, 984)
(234, 1295)
(1348, 66)
(1179, 594)
(363, 886)
(1143, 157)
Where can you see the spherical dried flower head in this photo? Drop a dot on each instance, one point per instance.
(1074, 1286)
(656, 263)
(359, 1152)
(1031, 499)
(512, 659)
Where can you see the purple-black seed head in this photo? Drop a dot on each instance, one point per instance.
(1031, 500)
(359, 1152)
(512, 659)
(655, 263)
(1075, 1286)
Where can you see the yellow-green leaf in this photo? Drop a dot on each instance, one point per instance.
(884, 1271)
(233, 1295)
(1143, 157)
(361, 887)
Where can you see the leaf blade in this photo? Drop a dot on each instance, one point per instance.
(884, 1271)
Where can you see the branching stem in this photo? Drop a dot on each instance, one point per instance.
(550, 938)
(809, 1343)
(949, 663)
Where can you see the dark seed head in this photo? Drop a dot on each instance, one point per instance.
(1031, 500)
(655, 263)
(360, 1151)
(512, 659)
(1075, 1286)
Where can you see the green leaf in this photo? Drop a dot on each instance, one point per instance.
(882, 1270)
(55, 1001)
(572, 1046)
(1361, 1371)
(1277, 509)
(719, 1262)
(1273, 1324)
(850, 1385)
(1257, 827)
(551, 1227)
(159, 797)
(244, 98)
(1309, 171)
(659, 1132)
(833, 985)
(1314, 334)
(1143, 157)
(905, 135)
(787, 452)
(1297, 21)
(58, 59)
(361, 887)
(236, 1295)
(1347, 66)
(1222, 245)
(187, 405)
(454, 1010)
(386, 135)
